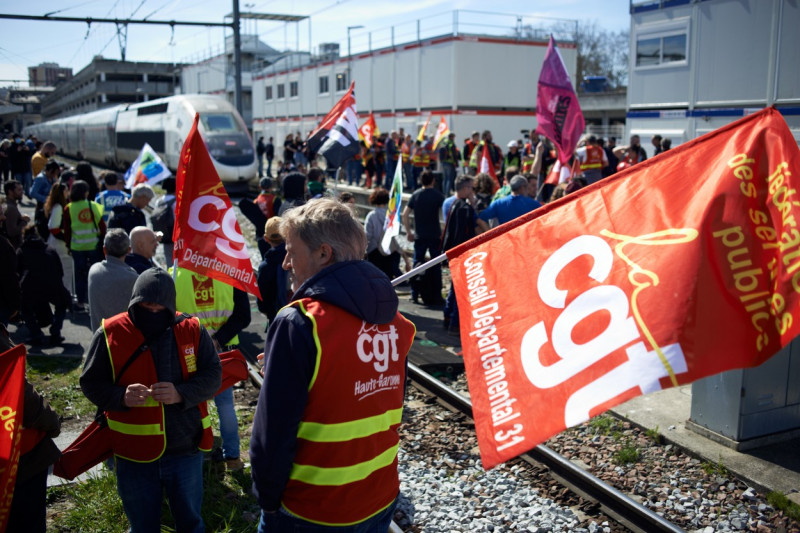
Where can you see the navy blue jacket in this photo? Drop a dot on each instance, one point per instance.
(357, 287)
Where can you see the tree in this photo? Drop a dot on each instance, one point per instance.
(600, 52)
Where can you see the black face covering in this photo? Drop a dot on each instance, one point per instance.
(151, 323)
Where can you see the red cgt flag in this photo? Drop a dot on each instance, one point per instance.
(368, 130)
(207, 236)
(12, 378)
(485, 164)
(684, 266)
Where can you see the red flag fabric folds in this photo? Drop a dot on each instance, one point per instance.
(681, 267)
(12, 377)
(207, 236)
(336, 137)
(558, 113)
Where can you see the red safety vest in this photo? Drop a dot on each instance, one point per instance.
(594, 158)
(405, 151)
(527, 166)
(139, 434)
(345, 468)
(266, 202)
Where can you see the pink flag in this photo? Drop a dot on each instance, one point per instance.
(557, 110)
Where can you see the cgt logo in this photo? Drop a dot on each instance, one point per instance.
(378, 346)
(206, 221)
(85, 216)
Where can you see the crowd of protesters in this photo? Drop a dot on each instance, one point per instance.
(324, 275)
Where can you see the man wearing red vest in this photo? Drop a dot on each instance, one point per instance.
(324, 441)
(592, 159)
(152, 371)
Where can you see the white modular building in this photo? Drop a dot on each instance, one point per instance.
(696, 65)
(474, 80)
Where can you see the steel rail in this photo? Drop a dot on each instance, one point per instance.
(613, 502)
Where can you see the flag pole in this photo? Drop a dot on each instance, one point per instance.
(418, 270)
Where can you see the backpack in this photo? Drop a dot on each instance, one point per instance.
(127, 217)
(163, 219)
(460, 226)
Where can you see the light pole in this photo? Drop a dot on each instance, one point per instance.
(349, 77)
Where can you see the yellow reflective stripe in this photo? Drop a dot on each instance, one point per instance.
(316, 342)
(591, 165)
(206, 420)
(135, 429)
(150, 402)
(315, 475)
(354, 429)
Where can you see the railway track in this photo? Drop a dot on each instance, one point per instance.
(627, 512)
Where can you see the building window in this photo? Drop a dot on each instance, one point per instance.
(293, 89)
(341, 81)
(662, 44)
(281, 91)
(269, 93)
(323, 85)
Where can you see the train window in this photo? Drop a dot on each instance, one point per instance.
(219, 122)
(152, 110)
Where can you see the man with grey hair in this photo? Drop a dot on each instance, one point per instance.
(509, 207)
(334, 375)
(129, 215)
(111, 281)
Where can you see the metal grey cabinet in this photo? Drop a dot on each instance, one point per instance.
(751, 403)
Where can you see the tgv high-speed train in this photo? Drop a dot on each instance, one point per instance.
(114, 136)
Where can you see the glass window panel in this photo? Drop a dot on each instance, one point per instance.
(648, 51)
(674, 48)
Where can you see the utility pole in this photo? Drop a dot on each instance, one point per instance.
(237, 58)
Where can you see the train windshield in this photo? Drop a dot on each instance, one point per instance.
(220, 123)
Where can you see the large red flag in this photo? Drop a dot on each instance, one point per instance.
(368, 130)
(684, 266)
(207, 236)
(336, 137)
(12, 388)
(558, 113)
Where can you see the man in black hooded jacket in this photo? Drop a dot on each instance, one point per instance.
(156, 404)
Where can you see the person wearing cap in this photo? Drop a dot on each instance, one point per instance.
(513, 158)
(509, 207)
(271, 277)
(151, 371)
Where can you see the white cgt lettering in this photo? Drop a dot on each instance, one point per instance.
(643, 368)
(228, 225)
(620, 330)
(379, 346)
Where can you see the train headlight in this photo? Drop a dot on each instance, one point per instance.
(247, 151)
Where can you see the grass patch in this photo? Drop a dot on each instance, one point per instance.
(603, 424)
(653, 435)
(628, 453)
(93, 506)
(57, 379)
(715, 469)
(779, 501)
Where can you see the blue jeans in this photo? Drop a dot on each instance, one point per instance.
(228, 424)
(140, 486)
(391, 166)
(282, 522)
(260, 159)
(448, 178)
(26, 179)
(269, 167)
(83, 259)
(354, 171)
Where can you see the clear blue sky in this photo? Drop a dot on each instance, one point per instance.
(28, 43)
